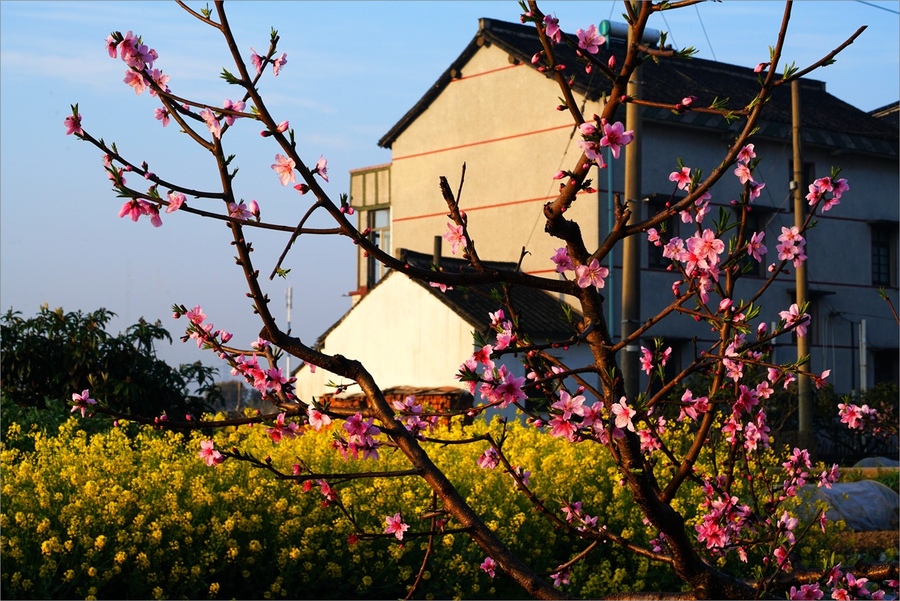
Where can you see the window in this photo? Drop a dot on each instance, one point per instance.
(667, 229)
(885, 364)
(379, 223)
(884, 254)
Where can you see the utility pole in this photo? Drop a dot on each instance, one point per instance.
(631, 249)
(804, 402)
(287, 357)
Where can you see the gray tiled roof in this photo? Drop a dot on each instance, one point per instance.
(826, 120)
(540, 313)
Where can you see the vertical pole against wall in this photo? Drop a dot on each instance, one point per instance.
(631, 249)
(804, 402)
(863, 356)
(287, 357)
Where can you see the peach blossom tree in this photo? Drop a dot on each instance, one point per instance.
(586, 404)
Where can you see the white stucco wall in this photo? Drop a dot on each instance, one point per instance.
(402, 334)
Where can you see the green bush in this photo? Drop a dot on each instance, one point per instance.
(48, 357)
(134, 513)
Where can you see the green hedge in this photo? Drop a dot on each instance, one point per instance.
(134, 513)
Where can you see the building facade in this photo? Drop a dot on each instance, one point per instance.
(494, 112)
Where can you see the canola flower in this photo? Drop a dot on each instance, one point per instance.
(135, 513)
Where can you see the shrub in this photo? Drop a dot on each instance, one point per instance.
(53, 354)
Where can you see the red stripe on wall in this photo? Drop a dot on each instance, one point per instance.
(492, 140)
(472, 209)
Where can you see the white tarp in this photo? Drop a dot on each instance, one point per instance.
(865, 506)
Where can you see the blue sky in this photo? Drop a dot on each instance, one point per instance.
(354, 68)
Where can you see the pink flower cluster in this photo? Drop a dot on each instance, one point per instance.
(138, 207)
(792, 246)
(258, 62)
(281, 430)
(819, 188)
(575, 515)
(594, 138)
(586, 276)
(410, 416)
(498, 385)
(360, 438)
(723, 521)
(700, 256)
(139, 58)
(647, 357)
(857, 417)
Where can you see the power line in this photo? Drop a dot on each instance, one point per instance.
(873, 5)
(703, 27)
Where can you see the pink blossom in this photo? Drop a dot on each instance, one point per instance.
(256, 60)
(239, 211)
(569, 405)
(755, 189)
(73, 125)
(176, 199)
(591, 150)
(561, 577)
(112, 46)
(646, 360)
(755, 247)
(162, 114)
(746, 154)
(82, 401)
(624, 415)
(591, 275)
(278, 63)
(395, 526)
(253, 207)
(321, 167)
(587, 129)
(551, 28)
(212, 123)
(136, 80)
(561, 427)
(562, 260)
(280, 430)
(489, 566)
(235, 106)
(510, 389)
(489, 459)
(284, 167)
(742, 171)
(615, 137)
(454, 235)
(806, 591)
(196, 315)
(209, 454)
(160, 79)
(793, 317)
(590, 40)
(851, 414)
(442, 287)
(760, 67)
(681, 178)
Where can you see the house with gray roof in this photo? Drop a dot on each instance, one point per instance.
(494, 111)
